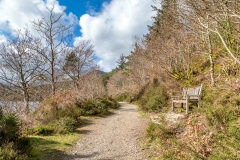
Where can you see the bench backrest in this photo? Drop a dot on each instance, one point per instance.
(193, 93)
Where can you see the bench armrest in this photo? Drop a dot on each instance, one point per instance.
(174, 97)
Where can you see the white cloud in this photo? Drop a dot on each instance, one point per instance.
(16, 14)
(2, 38)
(111, 30)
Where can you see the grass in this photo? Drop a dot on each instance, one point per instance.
(57, 132)
(52, 147)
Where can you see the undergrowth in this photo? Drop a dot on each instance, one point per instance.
(53, 118)
(223, 115)
(153, 97)
(211, 132)
(13, 146)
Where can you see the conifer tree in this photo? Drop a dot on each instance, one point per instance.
(121, 62)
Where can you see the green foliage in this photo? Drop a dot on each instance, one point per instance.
(227, 144)
(42, 130)
(70, 61)
(9, 128)
(142, 91)
(209, 96)
(221, 116)
(121, 62)
(99, 106)
(12, 144)
(66, 125)
(216, 96)
(163, 138)
(9, 152)
(157, 131)
(23, 145)
(1, 113)
(71, 64)
(109, 102)
(61, 126)
(52, 146)
(124, 97)
(65, 119)
(154, 99)
(54, 112)
(105, 78)
(221, 108)
(90, 107)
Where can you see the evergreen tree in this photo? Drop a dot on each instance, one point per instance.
(71, 62)
(121, 62)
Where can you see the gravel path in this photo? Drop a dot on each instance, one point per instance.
(114, 137)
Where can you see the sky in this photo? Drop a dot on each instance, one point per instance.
(109, 24)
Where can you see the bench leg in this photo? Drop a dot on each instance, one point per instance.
(198, 103)
(172, 106)
(187, 107)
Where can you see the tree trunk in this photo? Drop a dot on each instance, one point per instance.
(26, 101)
(210, 54)
(76, 84)
(211, 61)
(53, 84)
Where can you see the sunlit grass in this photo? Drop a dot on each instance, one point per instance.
(52, 147)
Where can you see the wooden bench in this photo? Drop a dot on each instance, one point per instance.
(188, 95)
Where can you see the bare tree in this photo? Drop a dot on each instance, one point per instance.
(221, 18)
(54, 34)
(19, 64)
(172, 42)
(79, 59)
(120, 83)
(138, 65)
(90, 85)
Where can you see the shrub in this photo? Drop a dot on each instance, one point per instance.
(98, 106)
(227, 144)
(61, 126)
(9, 128)
(163, 138)
(217, 96)
(109, 102)
(64, 119)
(12, 145)
(43, 130)
(221, 107)
(124, 97)
(88, 107)
(23, 145)
(66, 125)
(69, 110)
(154, 99)
(8, 152)
(221, 116)
(1, 113)
(157, 131)
(52, 113)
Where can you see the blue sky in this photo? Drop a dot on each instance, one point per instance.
(109, 24)
(80, 7)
